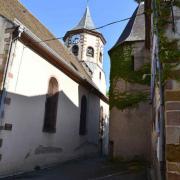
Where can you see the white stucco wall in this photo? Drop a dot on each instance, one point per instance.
(27, 85)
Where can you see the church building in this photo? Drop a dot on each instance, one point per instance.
(87, 44)
(53, 104)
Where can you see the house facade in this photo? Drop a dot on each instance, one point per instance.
(52, 106)
(165, 87)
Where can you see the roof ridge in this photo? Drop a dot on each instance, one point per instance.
(130, 32)
(87, 8)
(139, 9)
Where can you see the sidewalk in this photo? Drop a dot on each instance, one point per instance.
(87, 169)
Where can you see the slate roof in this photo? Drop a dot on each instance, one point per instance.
(85, 25)
(135, 29)
(13, 9)
(86, 21)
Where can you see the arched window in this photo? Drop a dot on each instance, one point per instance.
(100, 57)
(90, 52)
(51, 106)
(75, 50)
(82, 127)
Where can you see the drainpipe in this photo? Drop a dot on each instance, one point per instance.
(161, 91)
(162, 122)
(15, 35)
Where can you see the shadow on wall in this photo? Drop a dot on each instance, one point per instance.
(27, 146)
(92, 117)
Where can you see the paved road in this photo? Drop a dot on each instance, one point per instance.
(89, 169)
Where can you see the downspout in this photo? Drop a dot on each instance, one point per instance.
(162, 120)
(14, 36)
(161, 91)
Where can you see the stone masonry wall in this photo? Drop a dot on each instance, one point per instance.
(130, 132)
(172, 117)
(172, 112)
(130, 127)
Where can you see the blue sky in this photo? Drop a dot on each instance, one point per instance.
(60, 16)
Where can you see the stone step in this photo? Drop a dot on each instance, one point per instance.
(173, 176)
(173, 167)
(172, 135)
(171, 95)
(173, 152)
(173, 118)
(172, 105)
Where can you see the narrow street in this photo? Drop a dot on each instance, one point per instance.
(88, 169)
(89, 90)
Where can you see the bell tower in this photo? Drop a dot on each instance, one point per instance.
(87, 44)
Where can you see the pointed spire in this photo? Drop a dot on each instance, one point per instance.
(86, 25)
(86, 21)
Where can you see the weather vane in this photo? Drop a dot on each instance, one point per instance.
(87, 2)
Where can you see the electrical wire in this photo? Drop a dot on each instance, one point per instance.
(115, 22)
(52, 39)
(100, 27)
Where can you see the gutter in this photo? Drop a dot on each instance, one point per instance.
(29, 39)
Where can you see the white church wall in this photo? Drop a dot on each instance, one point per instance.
(27, 146)
(100, 82)
(97, 44)
(106, 127)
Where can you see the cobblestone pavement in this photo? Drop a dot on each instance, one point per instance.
(87, 169)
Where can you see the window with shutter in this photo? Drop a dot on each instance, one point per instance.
(82, 127)
(51, 107)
